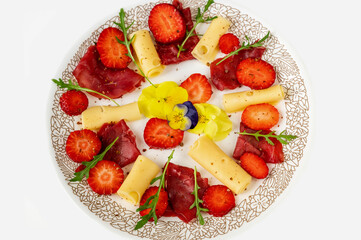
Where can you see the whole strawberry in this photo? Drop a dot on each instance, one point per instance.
(73, 102)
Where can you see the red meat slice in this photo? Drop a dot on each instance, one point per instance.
(180, 185)
(269, 153)
(91, 73)
(168, 52)
(124, 151)
(223, 76)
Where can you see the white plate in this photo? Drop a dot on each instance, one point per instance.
(120, 215)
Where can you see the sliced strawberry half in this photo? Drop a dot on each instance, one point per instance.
(228, 43)
(255, 73)
(106, 177)
(82, 145)
(112, 53)
(158, 134)
(198, 87)
(260, 116)
(162, 203)
(219, 200)
(254, 165)
(166, 23)
(73, 102)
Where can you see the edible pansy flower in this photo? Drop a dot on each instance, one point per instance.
(212, 121)
(184, 116)
(158, 101)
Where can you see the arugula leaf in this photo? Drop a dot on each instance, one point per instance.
(197, 201)
(152, 205)
(127, 42)
(199, 19)
(89, 165)
(282, 137)
(75, 86)
(246, 46)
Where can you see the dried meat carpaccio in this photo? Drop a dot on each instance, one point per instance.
(91, 73)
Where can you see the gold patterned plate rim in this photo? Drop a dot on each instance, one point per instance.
(121, 217)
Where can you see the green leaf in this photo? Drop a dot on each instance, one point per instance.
(152, 201)
(199, 19)
(89, 165)
(197, 201)
(282, 137)
(246, 46)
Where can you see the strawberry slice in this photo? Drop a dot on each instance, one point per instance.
(166, 23)
(162, 203)
(198, 88)
(219, 200)
(228, 43)
(106, 177)
(260, 116)
(82, 145)
(158, 134)
(112, 53)
(254, 165)
(255, 73)
(73, 102)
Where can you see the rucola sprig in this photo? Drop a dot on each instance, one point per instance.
(89, 165)
(75, 86)
(197, 201)
(127, 42)
(152, 201)
(199, 19)
(246, 46)
(282, 137)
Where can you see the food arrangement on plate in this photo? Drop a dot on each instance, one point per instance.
(121, 62)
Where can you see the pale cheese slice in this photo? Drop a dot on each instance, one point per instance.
(94, 117)
(138, 179)
(205, 152)
(234, 102)
(207, 48)
(146, 54)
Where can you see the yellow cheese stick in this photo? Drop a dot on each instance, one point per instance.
(234, 102)
(207, 48)
(94, 117)
(138, 180)
(205, 152)
(145, 53)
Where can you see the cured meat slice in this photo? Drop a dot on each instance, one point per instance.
(180, 185)
(269, 153)
(246, 143)
(168, 52)
(91, 73)
(124, 151)
(223, 76)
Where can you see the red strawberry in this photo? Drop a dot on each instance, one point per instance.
(112, 53)
(162, 203)
(106, 177)
(228, 43)
(219, 200)
(260, 116)
(254, 165)
(81, 167)
(198, 88)
(158, 134)
(166, 23)
(82, 145)
(73, 102)
(255, 73)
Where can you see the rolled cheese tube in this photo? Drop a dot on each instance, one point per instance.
(234, 102)
(138, 180)
(94, 117)
(145, 53)
(207, 48)
(205, 152)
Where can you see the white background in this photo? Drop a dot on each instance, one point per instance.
(323, 200)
